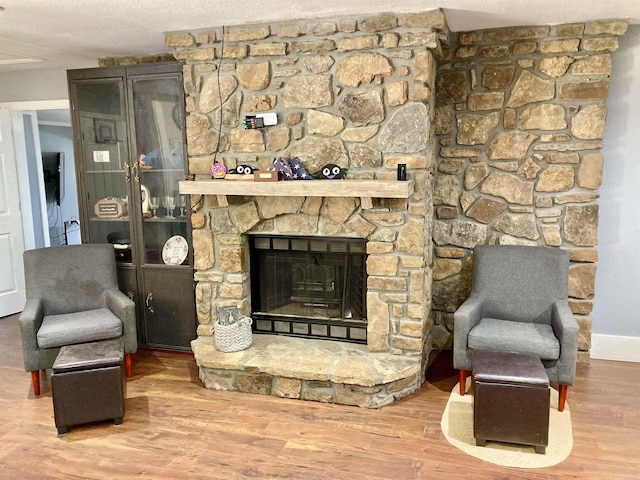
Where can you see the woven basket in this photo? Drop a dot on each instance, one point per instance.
(234, 337)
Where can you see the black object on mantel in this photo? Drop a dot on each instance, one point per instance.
(402, 172)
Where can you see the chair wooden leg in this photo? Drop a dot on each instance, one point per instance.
(128, 365)
(462, 378)
(562, 396)
(35, 381)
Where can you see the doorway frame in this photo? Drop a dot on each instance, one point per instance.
(20, 145)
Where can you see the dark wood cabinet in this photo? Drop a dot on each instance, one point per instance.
(130, 150)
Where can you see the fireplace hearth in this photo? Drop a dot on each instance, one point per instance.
(309, 287)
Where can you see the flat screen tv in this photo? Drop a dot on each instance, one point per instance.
(52, 164)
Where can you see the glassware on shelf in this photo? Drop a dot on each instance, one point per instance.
(154, 203)
(169, 202)
(182, 204)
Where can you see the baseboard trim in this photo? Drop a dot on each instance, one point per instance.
(613, 347)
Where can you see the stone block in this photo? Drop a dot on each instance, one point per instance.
(508, 187)
(297, 224)
(361, 42)
(593, 65)
(232, 260)
(581, 224)
(202, 249)
(486, 101)
(344, 395)
(511, 34)
(312, 47)
(569, 45)
(590, 171)
(317, 396)
(397, 93)
(260, 384)
(259, 103)
(287, 387)
(556, 178)
(530, 88)
(324, 123)
(215, 91)
(510, 145)
(177, 40)
(267, 49)
(363, 107)
(459, 233)
(475, 129)
(321, 28)
(601, 44)
(247, 33)
(247, 140)
(582, 279)
(204, 295)
(406, 343)
(384, 265)
(589, 122)
(308, 91)
(411, 237)
(586, 90)
(585, 323)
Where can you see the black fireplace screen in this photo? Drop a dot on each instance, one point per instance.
(309, 286)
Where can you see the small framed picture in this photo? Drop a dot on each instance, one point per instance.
(229, 315)
(105, 130)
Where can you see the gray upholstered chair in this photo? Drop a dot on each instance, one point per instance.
(72, 297)
(519, 303)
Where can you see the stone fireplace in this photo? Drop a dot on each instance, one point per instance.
(354, 92)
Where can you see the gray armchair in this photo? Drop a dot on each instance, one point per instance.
(72, 297)
(519, 303)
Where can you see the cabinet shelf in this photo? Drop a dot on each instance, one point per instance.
(109, 219)
(165, 220)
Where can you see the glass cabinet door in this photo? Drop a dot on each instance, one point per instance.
(106, 165)
(158, 106)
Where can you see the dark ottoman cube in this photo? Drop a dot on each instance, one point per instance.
(88, 384)
(511, 399)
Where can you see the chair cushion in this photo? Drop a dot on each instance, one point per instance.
(509, 336)
(78, 327)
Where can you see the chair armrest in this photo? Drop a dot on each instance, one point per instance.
(30, 320)
(464, 319)
(125, 309)
(566, 330)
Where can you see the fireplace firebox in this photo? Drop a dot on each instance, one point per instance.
(309, 287)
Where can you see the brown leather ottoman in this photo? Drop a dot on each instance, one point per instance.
(87, 384)
(511, 399)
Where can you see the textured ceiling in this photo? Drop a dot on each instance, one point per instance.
(74, 33)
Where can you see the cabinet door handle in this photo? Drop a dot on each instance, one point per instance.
(127, 173)
(148, 302)
(136, 175)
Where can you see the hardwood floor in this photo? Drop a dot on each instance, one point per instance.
(174, 428)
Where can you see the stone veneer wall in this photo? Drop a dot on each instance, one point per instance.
(356, 92)
(520, 121)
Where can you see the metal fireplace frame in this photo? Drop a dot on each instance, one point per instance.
(333, 258)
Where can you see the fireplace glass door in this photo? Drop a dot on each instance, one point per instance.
(308, 286)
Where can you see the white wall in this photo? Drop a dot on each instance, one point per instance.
(617, 301)
(30, 85)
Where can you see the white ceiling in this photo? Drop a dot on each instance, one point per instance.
(74, 33)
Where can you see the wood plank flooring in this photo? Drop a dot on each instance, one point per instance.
(176, 429)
